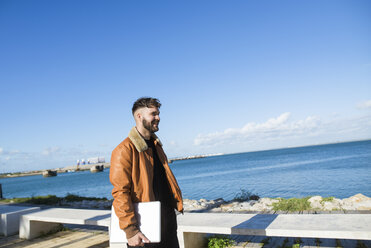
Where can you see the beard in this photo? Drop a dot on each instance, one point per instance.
(150, 126)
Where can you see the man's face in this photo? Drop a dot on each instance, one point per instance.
(151, 119)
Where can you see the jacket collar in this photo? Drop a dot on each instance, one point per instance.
(139, 142)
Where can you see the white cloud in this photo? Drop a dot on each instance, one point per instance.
(273, 129)
(12, 152)
(49, 158)
(51, 150)
(364, 104)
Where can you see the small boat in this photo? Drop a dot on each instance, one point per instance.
(49, 173)
(96, 168)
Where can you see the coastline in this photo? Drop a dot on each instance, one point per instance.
(66, 169)
(358, 203)
(85, 167)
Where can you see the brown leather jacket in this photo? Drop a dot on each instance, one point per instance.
(131, 175)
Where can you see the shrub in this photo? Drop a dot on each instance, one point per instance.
(219, 242)
(52, 199)
(245, 195)
(292, 204)
(75, 198)
(327, 199)
(44, 200)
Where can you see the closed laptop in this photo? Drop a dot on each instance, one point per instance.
(148, 215)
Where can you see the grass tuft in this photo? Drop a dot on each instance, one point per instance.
(292, 204)
(327, 199)
(265, 241)
(338, 244)
(51, 199)
(74, 198)
(220, 241)
(318, 242)
(360, 244)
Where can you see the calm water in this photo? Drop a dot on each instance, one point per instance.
(339, 170)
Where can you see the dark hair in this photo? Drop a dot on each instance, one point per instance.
(145, 102)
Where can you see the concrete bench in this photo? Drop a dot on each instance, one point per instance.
(38, 223)
(193, 227)
(9, 218)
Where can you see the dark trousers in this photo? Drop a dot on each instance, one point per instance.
(169, 226)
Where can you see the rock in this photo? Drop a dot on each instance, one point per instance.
(202, 204)
(242, 206)
(263, 204)
(315, 202)
(365, 205)
(268, 201)
(258, 207)
(356, 202)
(359, 198)
(338, 203)
(347, 205)
(329, 205)
(227, 207)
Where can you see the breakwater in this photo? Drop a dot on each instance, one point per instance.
(312, 205)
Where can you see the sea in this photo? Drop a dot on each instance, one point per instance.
(340, 170)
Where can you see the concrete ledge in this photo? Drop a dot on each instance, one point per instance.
(192, 227)
(35, 224)
(9, 218)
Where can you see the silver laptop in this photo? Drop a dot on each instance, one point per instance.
(149, 218)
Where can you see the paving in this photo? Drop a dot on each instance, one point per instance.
(98, 238)
(71, 237)
(272, 242)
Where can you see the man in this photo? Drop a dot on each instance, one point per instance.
(140, 173)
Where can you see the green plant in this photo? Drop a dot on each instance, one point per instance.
(292, 204)
(298, 241)
(265, 241)
(338, 244)
(318, 242)
(219, 241)
(74, 198)
(45, 200)
(285, 241)
(327, 199)
(360, 244)
(51, 199)
(245, 195)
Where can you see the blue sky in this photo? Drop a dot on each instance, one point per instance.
(233, 76)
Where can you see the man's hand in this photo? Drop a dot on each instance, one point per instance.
(138, 240)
